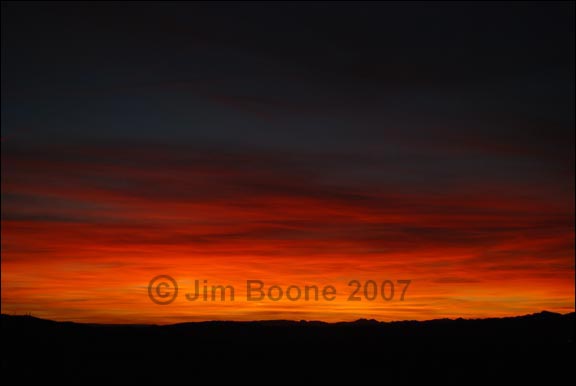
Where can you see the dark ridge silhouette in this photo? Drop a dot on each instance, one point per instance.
(529, 349)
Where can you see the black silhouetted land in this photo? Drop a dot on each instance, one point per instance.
(531, 349)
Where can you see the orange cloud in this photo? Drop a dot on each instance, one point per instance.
(83, 234)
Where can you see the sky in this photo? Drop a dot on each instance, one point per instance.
(295, 144)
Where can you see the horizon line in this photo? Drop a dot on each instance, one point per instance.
(371, 320)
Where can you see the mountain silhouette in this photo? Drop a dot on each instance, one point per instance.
(529, 349)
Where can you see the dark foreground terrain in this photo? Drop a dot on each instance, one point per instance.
(532, 349)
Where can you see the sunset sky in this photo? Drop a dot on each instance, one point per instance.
(294, 144)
